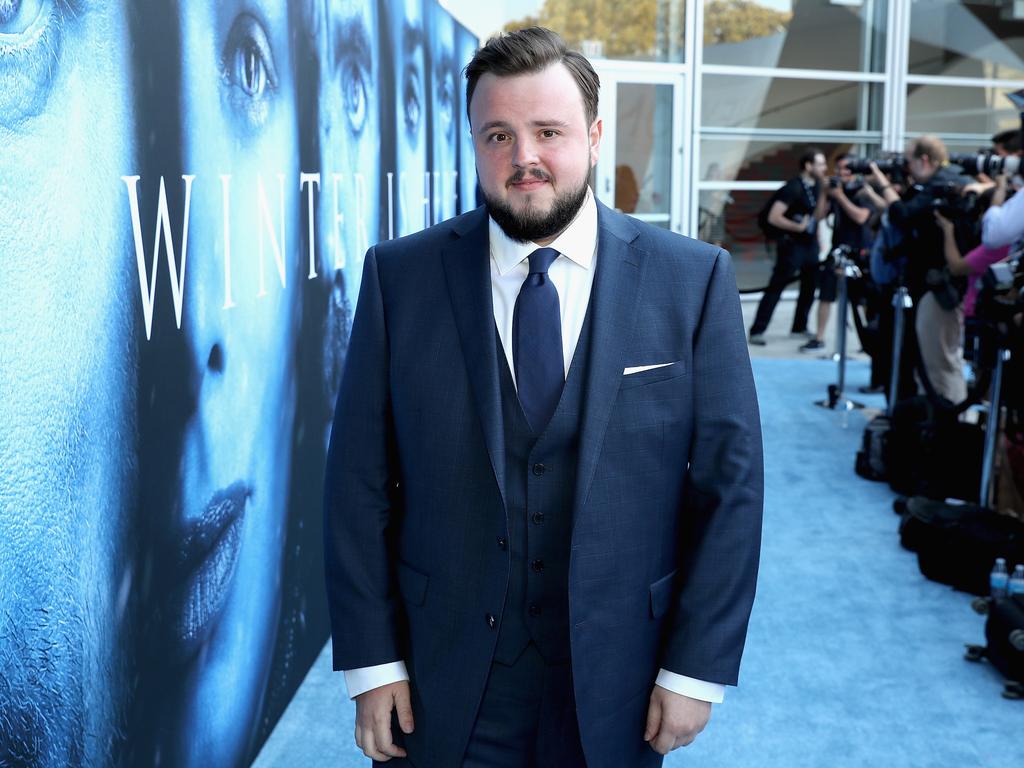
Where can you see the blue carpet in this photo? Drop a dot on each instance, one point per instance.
(852, 659)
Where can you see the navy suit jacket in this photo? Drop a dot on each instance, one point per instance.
(666, 519)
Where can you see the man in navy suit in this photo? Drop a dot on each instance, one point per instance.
(544, 491)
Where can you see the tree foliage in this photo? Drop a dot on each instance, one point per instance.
(630, 29)
(732, 21)
(625, 29)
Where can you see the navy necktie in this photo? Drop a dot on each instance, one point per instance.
(537, 342)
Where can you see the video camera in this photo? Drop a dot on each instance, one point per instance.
(988, 163)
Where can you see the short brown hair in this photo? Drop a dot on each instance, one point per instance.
(931, 147)
(532, 50)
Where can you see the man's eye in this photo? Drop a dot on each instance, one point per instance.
(549, 134)
(499, 138)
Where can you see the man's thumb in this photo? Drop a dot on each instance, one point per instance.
(404, 709)
(653, 719)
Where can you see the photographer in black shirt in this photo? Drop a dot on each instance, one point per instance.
(794, 215)
(851, 205)
(936, 294)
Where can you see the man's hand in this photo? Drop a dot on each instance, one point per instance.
(876, 173)
(373, 720)
(674, 720)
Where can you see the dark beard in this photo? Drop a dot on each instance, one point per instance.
(533, 225)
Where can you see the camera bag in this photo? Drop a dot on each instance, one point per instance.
(930, 452)
(870, 463)
(956, 544)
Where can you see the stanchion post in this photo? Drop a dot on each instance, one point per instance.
(845, 269)
(901, 302)
(992, 428)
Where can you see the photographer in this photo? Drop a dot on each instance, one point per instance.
(936, 293)
(795, 212)
(851, 206)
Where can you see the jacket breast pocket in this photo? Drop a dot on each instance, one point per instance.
(412, 584)
(653, 376)
(661, 595)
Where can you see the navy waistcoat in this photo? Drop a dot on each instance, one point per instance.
(540, 479)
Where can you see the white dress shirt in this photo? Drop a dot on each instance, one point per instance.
(1004, 224)
(572, 274)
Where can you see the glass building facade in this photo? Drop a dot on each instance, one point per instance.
(708, 104)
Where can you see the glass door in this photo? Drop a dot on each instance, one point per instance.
(640, 169)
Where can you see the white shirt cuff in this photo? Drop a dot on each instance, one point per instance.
(690, 686)
(366, 679)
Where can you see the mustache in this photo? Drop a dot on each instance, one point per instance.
(521, 174)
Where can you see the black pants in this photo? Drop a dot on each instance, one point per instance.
(792, 259)
(527, 719)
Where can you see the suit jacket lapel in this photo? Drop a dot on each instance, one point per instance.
(467, 272)
(612, 317)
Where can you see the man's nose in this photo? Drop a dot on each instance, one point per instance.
(525, 154)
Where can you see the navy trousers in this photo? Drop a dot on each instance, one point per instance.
(527, 719)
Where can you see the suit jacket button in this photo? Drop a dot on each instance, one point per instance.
(534, 610)
(539, 469)
(490, 620)
(538, 517)
(502, 543)
(537, 565)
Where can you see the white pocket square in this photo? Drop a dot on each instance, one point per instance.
(642, 368)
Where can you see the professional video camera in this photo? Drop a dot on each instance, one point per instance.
(893, 166)
(988, 163)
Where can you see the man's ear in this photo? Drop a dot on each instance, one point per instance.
(596, 129)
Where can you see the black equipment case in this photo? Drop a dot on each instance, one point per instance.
(956, 544)
(1004, 633)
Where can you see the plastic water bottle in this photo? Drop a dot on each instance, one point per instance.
(998, 579)
(1016, 583)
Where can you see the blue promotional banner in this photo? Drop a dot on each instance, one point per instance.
(187, 192)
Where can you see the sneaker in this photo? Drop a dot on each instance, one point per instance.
(812, 346)
(757, 339)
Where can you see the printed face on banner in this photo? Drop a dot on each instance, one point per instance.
(466, 47)
(186, 195)
(350, 146)
(443, 112)
(226, 518)
(408, 45)
(67, 386)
